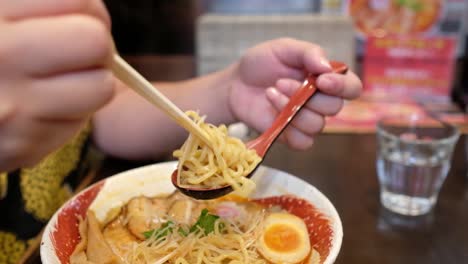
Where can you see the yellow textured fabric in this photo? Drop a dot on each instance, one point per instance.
(11, 249)
(3, 185)
(41, 187)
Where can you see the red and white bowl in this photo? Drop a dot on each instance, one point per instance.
(61, 233)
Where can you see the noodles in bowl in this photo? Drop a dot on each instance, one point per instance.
(179, 230)
(112, 214)
(227, 163)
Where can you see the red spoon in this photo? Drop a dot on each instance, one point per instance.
(263, 143)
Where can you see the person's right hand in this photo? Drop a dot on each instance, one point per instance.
(53, 74)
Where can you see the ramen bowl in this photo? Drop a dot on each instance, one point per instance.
(61, 234)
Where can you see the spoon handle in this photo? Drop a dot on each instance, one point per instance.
(296, 102)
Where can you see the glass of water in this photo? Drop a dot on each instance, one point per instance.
(414, 157)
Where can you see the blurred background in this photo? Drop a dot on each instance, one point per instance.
(412, 58)
(410, 54)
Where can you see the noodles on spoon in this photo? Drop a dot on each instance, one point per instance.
(227, 163)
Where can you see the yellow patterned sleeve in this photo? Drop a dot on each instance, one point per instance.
(42, 186)
(3, 184)
(11, 249)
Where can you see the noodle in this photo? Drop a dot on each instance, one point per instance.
(215, 232)
(226, 164)
(227, 244)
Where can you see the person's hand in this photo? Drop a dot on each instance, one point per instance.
(53, 76)
(268, 74)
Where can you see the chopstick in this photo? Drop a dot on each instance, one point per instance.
(139, 84)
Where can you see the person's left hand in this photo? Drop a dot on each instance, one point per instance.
(268, 74)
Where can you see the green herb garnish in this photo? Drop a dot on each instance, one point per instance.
(414, 5)
(205, 222)
(183, 232)
(163, 231)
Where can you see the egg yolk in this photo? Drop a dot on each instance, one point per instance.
(282, 238)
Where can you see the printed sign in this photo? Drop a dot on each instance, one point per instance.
(428, 18)
(421, 68)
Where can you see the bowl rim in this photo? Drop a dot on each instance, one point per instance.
(47, 251)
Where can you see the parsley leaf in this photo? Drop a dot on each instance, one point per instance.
(183, 232)
(400, 2)
(206, 221)
(163, 231)
(415, 5)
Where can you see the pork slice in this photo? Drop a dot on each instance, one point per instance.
(144, 214)
(119, 238)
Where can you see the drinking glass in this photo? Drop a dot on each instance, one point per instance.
(413, 159)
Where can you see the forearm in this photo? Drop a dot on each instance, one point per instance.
(130, 127)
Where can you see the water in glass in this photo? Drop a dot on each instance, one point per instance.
(410, 183)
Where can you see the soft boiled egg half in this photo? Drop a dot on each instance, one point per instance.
(284, 239)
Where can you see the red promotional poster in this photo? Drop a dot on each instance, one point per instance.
(374, 17)
(408, 50)
(419, 67)
(427, 18)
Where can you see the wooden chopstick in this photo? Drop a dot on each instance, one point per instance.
(139, 84)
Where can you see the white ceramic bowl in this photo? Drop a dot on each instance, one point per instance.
(61, 233)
